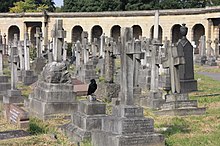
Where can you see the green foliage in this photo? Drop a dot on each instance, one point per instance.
(6, 4)
(33, 53)
(37, 126)
(128, 5)
(179, 125)
(32, 6)
(86, 142)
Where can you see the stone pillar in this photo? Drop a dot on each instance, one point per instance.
(216, 41)
(102, 45)
(38, 37)
(156, 24)
(59, 35)
(4, 45)
(13, 61)
(78, 51)
(85, 50)
(65, 47)
(26, 52)
(21, 58)
(209, 42)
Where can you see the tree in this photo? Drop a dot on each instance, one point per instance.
(6, 4)
(32, 6)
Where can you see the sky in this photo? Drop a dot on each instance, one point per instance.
(58, 3)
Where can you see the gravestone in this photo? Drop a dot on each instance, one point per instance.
(109, 89)
(4, 80)
(28, 76)
(65, 47)
(87, 118)
(13, 95)
(40, 61)
(53, 94)
(127, 125)
(211, 60)
(154, 98)
(179, 61)
(87, 70)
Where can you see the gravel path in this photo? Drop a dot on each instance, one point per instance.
(215, 76)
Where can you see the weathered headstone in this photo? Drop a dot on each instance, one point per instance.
(109, 89)
(54, 93)
(38, 36)
(28, 76)
(216, 41)
(179, 60)
(127, 125)
(13, 95)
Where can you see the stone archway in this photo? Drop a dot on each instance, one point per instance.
(76, 33)
(160, 31)
(13, 30)
(96, 33)
(175, 33)
(115, 32)
(198, 30)
(137, 31)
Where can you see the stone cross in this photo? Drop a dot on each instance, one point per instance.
(26, 52)
(65, 47)
(38, 36)
(13, 62)
(216, 41)
(85, 47)
(21, 54)
(137, 61)
(102, 45)
(58, 34)
(127, 66)
(94, 48)
(1, 55)
(156, 24)
(109, 61)
(78, 51)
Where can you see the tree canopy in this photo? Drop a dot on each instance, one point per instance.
(32, 6)
(131, 5)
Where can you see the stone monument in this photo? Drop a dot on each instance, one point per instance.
(179, 61)
(54, 93)
(127, 125)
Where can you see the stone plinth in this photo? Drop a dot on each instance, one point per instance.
(4, 85)
(50, 99)
(127, 127)
(88, 118)
(153, 100)
(180, 105)
(108, 91)
(188, 86)
(28, 77)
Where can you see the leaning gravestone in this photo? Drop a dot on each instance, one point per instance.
(179, 61)
(127, 125)
(54, 93)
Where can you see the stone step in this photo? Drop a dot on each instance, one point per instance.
(181, 112)
(87, 122)
(101, 138)
(136, 125)
(180, 104)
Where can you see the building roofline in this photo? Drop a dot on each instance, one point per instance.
(116, 13)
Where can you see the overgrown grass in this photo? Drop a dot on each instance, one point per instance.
(203, 130)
